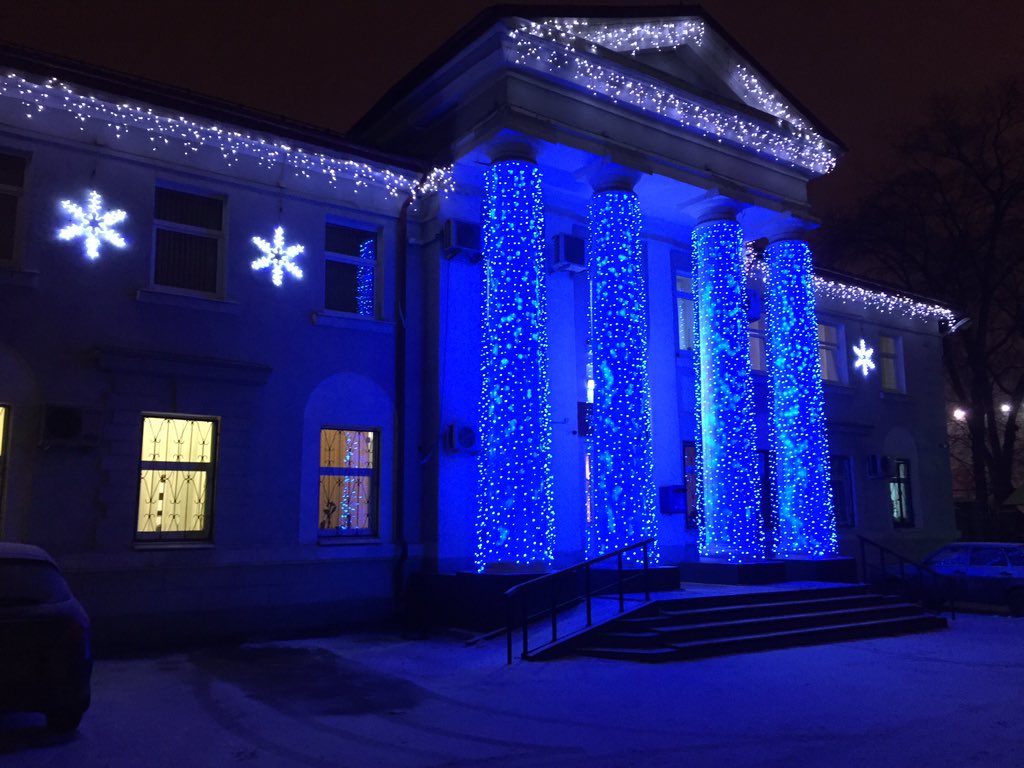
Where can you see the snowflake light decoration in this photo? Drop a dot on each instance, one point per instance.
(864, 361)
(93, 224)
(278, 256)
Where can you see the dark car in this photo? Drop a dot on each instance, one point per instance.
(45, 647)
(986, 572)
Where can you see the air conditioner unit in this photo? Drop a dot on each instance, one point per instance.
(462, 438)
(64, 427)
(570, 254)
(879, 466)
(462, 238)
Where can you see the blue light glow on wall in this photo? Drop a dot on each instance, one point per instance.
(515, 524)
(730, 487)
(621, 445)
(364, 277)
(804, 519)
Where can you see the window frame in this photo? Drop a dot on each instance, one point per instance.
(177, 537)
(756, 330)
(681, 297)
(193, 230)
(373, 233)
(839, 352)
(5, 429)
(372, 531)
(904, 517)
(896, 358)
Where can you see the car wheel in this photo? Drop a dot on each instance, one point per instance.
(63, 721)
(1016, 602)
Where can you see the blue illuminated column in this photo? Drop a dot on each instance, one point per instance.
(731, 525)
(515, 523)
(621, 445)
(804, 518)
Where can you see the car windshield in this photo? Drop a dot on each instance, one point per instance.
(31, 582)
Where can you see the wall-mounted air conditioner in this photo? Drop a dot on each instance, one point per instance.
(570, 254)
(460, 437)
(462, 239)
(63, 426)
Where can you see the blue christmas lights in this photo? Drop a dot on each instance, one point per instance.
(515, 524)
(804, 522)
(364, 277)
(621, 445)
(731, 526)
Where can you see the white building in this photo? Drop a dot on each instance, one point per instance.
(195, 430)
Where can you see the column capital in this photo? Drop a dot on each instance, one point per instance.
(714, 207)
(786, 226)
(605, 175)
(512, 149)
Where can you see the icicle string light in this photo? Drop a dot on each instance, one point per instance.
(845, 293)
(621, 443)
(621, 38)
(515, 523)
(803, 519)
(166, 131)
(730, 487)
(765, 98)
(552, 50)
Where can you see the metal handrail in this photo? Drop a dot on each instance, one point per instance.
(947, 583)
(554, 579)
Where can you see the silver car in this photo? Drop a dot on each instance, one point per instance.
(986, 572)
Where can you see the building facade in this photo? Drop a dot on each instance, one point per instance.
(261, 375)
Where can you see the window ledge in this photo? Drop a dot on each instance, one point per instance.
(22, 278)
(328, 317)
(142, 546)
(167, 298)
(347, 541)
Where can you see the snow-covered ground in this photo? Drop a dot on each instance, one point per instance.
(949, 698)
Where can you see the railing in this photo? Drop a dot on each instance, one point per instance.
(554, 586)
(916, 581)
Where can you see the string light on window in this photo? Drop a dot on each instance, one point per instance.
(166, 132)
(730, 488)
(556, 50)
(621, 446)
(93, 225)
(803, 518)
(280, 258)
(515, 523)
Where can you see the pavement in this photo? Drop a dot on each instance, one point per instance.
(946, 698)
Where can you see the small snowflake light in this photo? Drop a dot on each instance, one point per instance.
(864, 361)
(92, 224)
(278, 256)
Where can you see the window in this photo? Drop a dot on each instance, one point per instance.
(890, 365)
(690, 483)
(12, 179)
(188, 241)
(350, 270)
(684, 311)
(757, 344)
(829, 352)
(899, 494)
(4, 419)
(842, 490)
(176, 477)
(348, 482)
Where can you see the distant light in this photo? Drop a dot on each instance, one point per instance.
(1005, 407)
(959, 414)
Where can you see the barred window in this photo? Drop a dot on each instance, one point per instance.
(176, 477)
(187, 241)
(348, 482)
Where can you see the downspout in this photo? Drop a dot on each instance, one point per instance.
(401, 266)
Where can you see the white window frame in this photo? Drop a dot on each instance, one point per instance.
(839, 351)
(896, 357)
(195, 231)
(344, 258)
(207, 468)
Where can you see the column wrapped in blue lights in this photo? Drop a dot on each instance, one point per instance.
(804, 518)
(515, 524)
(621, 445)
(731, 525)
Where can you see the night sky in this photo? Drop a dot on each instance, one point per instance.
(866, 69)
